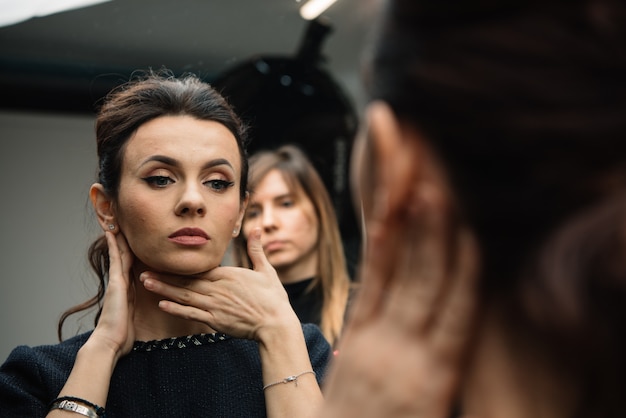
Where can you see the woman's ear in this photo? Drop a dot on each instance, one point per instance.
(398, 161)
(242, 212)
(103, 205)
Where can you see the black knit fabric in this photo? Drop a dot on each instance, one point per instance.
(196, 376)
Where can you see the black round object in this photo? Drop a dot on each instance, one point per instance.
(294, 100)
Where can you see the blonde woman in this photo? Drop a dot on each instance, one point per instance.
(300, 236)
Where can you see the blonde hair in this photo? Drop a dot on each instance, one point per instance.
(332, 280)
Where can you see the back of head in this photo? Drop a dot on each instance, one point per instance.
(524, 103)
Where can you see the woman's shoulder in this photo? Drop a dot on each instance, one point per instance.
(312, 332)
(315, 341)
(48, 355)
(319, 350)
(31, 376)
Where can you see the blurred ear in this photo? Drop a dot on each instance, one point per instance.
(103, 206)
(399, 161)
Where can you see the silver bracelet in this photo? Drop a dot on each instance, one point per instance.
(288, 379)
(72, 406)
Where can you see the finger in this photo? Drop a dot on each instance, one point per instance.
(120, 259)
(179, 294)
(126, 255)
(116, 270)
(255, 251)
(191, 313)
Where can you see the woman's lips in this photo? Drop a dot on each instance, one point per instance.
(189, 236)
(273, 246)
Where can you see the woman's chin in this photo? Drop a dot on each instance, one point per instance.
(182, 269)
(188, 272)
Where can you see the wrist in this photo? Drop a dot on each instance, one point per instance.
(100, 343)
(91, 374)
(101, 351)
(280, 330)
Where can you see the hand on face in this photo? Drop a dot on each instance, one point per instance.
(239, 302)
(115, 325)
(402, 352)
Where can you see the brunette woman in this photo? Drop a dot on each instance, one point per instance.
(175, 334)
(492, 172)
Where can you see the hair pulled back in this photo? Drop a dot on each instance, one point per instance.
(145, 97)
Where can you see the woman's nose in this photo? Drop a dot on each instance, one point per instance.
(268, 219)
(191, 202)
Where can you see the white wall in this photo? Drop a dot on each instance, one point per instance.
(47, 163)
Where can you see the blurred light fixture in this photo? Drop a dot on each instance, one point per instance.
(313, 8)
(17, 11)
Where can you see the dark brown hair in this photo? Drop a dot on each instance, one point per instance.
(525, 104)
(148, 96)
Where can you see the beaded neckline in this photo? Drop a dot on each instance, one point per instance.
(180, 342)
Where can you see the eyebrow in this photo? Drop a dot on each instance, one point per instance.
(274, 199)
(175, 163)
(285, 196)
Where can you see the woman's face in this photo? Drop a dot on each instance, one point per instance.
(290, 227)
(179, 200)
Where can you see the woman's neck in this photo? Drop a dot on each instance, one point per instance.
(512, 381)
(151, 323)
(297, 272)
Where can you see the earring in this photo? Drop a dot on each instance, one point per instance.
(111, 227)
(235, 232)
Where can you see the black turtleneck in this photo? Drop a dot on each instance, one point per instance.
(307, 305)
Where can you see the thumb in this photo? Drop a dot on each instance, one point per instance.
(255, 250)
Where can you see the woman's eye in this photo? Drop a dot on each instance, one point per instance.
(287, 203)
(158, 181)
(252, 213)
(219, 185)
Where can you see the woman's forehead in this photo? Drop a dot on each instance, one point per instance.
(185, 139)
(281, 182)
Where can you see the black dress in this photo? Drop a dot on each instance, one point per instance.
(208, 375)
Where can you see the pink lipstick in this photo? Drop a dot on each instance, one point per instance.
(189, 236)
